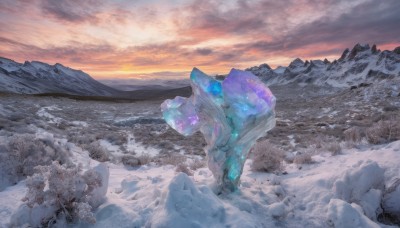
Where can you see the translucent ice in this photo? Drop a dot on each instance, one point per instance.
(231, 114)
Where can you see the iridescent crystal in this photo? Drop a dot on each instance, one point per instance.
(231, 114)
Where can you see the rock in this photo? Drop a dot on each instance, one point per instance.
(296, 63)
(397, 50)
(374, 50)
(357, 49)
(344, 54)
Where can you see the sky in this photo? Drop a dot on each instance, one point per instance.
(150, 39)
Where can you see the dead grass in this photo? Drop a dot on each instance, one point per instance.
(144, 159)
(129, 160)
(183, 168)
(133, 161)
(197, 164)
(97, 152)
(353, 134)
(267, 157)
(334, 147)
(384, 131)
(173, 159)
(302, 159)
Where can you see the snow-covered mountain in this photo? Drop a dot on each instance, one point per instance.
(37, 78)
(362, 64)
(41, 78)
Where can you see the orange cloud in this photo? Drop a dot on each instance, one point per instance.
(120, 39)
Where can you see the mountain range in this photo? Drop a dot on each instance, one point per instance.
(42, 78)
(361, 64)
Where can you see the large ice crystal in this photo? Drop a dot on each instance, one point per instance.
(231, 114)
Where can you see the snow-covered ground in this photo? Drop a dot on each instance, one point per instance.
(339, 191)
(346, 190)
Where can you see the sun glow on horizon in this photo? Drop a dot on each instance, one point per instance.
(123, 39)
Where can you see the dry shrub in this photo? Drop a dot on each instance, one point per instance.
(116, 138)
(353, 137)
(313, 149)
(57, 193)
(334, 148)
(352, 134)
(304, 158)
(144, 159)
(166, 145)
(307, 140)
(83, 138)
(197, 164)
(173, 159)
(24, 152)
(130, 160)
(267, 157)
(184, 169)
(383, 131)
(97, 152)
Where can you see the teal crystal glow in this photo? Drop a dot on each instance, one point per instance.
(231, 114)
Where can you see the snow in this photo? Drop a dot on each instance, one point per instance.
(98, 194)
(43, 112)
(345, 215)
(139, 148)
(362, 184)
(392, 198)
(182, 204)
(280, 70)
(343, 191)
(79, 123)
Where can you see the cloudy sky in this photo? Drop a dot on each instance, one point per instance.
(167, 38)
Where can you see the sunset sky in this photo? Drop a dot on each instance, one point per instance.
(167, 38)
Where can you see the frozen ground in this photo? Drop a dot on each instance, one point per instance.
(144, 156)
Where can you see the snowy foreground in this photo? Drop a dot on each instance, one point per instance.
(334, 191)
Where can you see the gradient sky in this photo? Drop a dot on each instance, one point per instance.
(167, 38)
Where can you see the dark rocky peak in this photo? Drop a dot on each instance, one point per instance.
(326, 61)
(374, 49)
(41, 63)
(59, 65)
(357, 49)
(314, 64)
(27, 64)
(317, 62)
(264, 65)
(397, 50)
(260, 67)
(344, 54)
(296, 63)
(306, 63)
